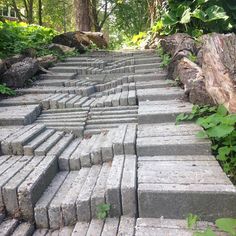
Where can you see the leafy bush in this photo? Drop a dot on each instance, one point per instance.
(197, 17)
(220, 127)
(4, 90)
(16, 37)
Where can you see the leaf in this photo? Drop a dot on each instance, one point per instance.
(208, 232)
(202, 134)
(227, 224)
(169, 19)
(186, 17)
(192, 220)
(221, 110)
(215, 13)
(220, 131)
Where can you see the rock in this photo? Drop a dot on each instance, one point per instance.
(219, 63)
(80, 39)
(178, 46)
(14, 59)
(191, 76)
(73, 39)
(97, 38)
(20, 72)
(47, 61)
(176, 43)
(61, 49)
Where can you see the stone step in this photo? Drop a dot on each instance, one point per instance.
(19, 115)
(18, 143)
(154, 84)
(70, 69)
(158, 94)
(44, 148)
(50, 82)
(82, 64)
(168, 145)
(7, 227)
(75, 195)
(23, 182)
(6, 144)
(147, 66)
(143, 77)
(177, 185)
(161, 111)
(57, 76)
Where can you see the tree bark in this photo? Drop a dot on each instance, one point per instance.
(40, 12)
(219, 68)
(83, 21)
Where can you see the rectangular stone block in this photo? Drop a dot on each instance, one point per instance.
(41, 207)
(83, 202)
(129, 186)
(113, 193)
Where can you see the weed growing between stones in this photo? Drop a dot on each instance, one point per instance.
(4, 90)
(227, 225)
(165, 58)
(103, 211)
(219, 126)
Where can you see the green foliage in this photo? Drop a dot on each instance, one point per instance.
(227, 225)
(192, 57)
(219, 126)
(197, 17)
(165, 58)
(137, 38)
(16, 37)
(192, 220)
(103, 210)
(4, 90)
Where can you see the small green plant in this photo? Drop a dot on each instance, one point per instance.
(103, 210)
(192, 57)
(192, 220)
(165, 60)
(227, 225)
(4, 90)
(220, 127)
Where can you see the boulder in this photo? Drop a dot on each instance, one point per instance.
(218, 66)
(97, 38)
(179, 45)
(14, 59)
(47, 61)
(20, 72)
(191, 76)
(180, 42)
(73, 39)
(80, 40)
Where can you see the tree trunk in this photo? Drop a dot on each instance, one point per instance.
(16, 10)
(40, 12)
(83, 22)
(219, 68)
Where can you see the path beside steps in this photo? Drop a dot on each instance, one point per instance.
(100, 129)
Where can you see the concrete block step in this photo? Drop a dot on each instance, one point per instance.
(6, 144)
(50, 82)
(157, 94)
(154, 84)
(147, 66)
(161, 112)
(19, 115)
(44, 148)
(177, 185)
(144, 77)
(168, 145)
(172, 227)
(22, 182)
(57, 76)
(69, 69)
(75, 195)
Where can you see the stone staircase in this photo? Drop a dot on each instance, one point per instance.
(100, 129)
